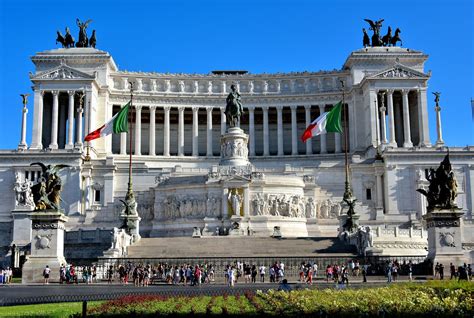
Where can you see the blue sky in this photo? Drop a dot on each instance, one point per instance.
(258, 36)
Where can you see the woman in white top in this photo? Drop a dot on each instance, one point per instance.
(231, 275)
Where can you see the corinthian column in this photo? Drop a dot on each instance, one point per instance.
(195, 131)
(166, 132)
(209, 132)
(22, 145)
(307, 113)
(322, 136)
(439, 140)
(251, 110)
(294, 131)
(152, 145)
(280, 130)
(406, 120)
(266, 148)
(138, 130)
(70, 114)
(391, 119)
(80, 110)
(223, 120)
(382, 110)
(37, 134)
(180, 131)
(54, 121)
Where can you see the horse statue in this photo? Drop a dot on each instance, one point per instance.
(60, 39)
(396, 38)
(83, 39)
(233, 109)
(366, 39)
(92, 40)
(387, 37)
(68, 39)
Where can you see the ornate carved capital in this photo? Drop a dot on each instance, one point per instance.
(209, 109)
(71, 93)
(307, 107)
(55, 93)
(152, 108)
(138, 108)
(293, 108)
(405, 91)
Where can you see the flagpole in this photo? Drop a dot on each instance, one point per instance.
(350, 223)
(129, 190)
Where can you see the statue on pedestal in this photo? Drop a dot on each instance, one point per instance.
(233, 109)
(83, 39)
(443, 188)
(235, 200)
(47, 192)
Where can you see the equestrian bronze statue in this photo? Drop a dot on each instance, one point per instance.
(233, 109)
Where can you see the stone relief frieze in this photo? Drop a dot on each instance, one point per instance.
(447, 239)
(189, 206)
(43, 241)
(398, 73)
(23, 194)
(61, 73)
(234, 148)
(232, 171)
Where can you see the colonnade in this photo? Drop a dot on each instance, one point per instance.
(75, 126)
(294, 140)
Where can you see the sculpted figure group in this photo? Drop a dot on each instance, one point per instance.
(173, 207)
(67, 41)
(377, 40)
(47, 192)
(443, 188)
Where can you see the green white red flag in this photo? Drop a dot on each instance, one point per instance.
(326, 122)
(118, 124)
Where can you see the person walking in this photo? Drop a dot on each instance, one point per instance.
(254, 273)
(410, 271)
(262, 274)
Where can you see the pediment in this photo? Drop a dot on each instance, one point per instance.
(62, 72)
(399, 71)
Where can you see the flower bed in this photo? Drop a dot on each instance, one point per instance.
(399, 300)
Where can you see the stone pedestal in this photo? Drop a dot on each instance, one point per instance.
(234, 148)
(444, 237)
(47, 246)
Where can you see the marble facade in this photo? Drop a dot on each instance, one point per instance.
(185, 171)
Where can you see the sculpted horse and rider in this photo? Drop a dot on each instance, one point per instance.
(377, 40)
(233, 109)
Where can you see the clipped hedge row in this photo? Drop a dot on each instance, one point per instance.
(436, 299)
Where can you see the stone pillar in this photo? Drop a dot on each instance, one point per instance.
(424, 129)
(251, 110)
(70, 114)
(391, 119)
(181, 131)
(444, 237)
(79, 126)
(138, 130)
(439, 140)
(54, 121)
(22, 145)
(47, 246)
(383, 129)
(225, 204)
(86, 105)
(406, 120)
(337, 142)
(379, 199)
(195, 152)
(322, 136)
(266, 148)
(166, 132)
(152, 128)
(223, 120)
(307, 113)
(246, 202)
(209, 151)
(37, 134)
(294, 131)
(280, 130)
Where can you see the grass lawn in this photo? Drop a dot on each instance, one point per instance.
(59, 310)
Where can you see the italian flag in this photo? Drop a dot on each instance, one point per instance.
(326, 122)
(118, 124)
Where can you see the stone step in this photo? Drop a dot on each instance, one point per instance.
(177, 247)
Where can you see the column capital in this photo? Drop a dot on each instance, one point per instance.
(138, 107)
(307, 107)
(279, 108)
(195, 109)
(166, 108)
(251, 108)
(71, 93)
(405, 91)
(321, 107)
(55, 93)
(152, 108)
(209, 109)
(264, 108)
(390, 91)
(181, 109)
(293, 107)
